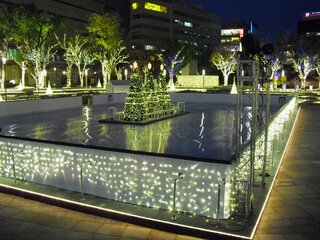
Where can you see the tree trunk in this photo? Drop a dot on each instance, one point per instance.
(303, 82)
(69, 74)
(80, 76)
(171, 83)
(104, 73)
(225, 79)
(23, 73)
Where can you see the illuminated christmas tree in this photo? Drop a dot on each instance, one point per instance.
(150, 96)
(165, 104)
(149, 100)
(134, 108)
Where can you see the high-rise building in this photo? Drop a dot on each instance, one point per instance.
(232, 32)
(310, 25)
(155, 24)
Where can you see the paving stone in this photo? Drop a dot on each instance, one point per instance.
(86, 226)
(73, 235)
(111, 229)
(272, 237)
(136, 232)
(161, 235)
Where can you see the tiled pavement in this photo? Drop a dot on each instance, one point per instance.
(292, 212)
(293, 209)
(30, 220)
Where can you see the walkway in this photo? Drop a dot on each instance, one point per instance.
(23, 219)
(293, 209)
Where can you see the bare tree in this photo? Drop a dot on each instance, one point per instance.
(225, 61)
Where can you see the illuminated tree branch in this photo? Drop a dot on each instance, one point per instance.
(224, 61)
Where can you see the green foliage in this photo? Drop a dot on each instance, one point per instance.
(106, 42)
(32, 32)
(104, 30)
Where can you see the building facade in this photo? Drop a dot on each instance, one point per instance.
(74, 14)
(156, 24)
(232, 32)
(310, 25)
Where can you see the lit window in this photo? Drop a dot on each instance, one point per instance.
(177, 21)
(134, 6)
(235, 39)
(188, 24)
(149, 47)
(155, 7)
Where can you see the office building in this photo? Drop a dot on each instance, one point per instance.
(156, 24)
(232, 32)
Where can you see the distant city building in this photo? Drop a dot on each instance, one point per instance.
(232, 32)
(74, 14)
(310, 25)
(157, 23)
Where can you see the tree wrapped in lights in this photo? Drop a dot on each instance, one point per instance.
(76, 53)
(175, 58)
(225, 61)
(107, 43)
(304, 57)
(32, 32)
(134, 106)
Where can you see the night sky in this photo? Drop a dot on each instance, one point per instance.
(271, 16)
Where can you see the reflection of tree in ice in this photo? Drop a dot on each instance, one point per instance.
(199, 140)
(149, 138)
(224, 128)
(42, 130)
(78, 129)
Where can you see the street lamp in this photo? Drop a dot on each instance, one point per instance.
(4, 60)
(125, 74)
(203, 74)
(135, 66)
(86, 76)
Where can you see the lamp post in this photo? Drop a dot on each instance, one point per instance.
(203, 74)
(180, 176)
(4, 60)
(218, 207)
(14, 170)
(125, 74)
(135, 66)
(86, 77)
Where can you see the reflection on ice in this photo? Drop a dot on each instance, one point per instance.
(207, 132)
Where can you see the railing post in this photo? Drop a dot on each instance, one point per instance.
(180, 176)
(14, 170)
(218, 208)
